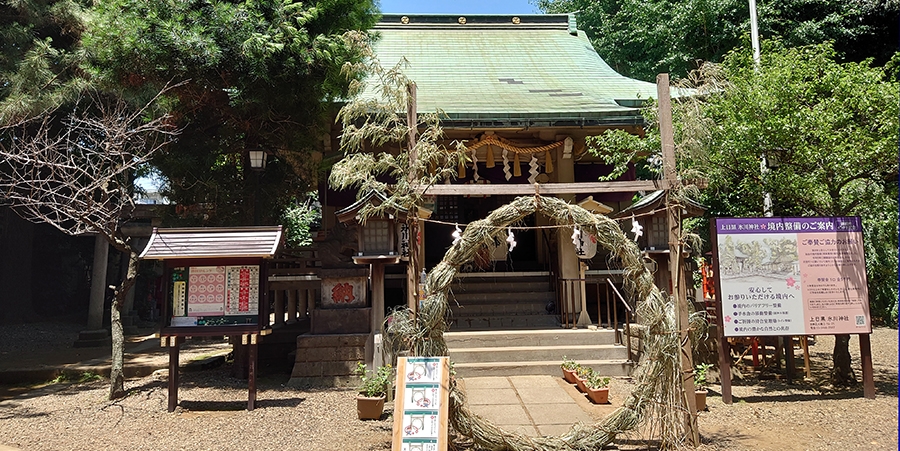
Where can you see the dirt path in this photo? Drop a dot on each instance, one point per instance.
(767, 414)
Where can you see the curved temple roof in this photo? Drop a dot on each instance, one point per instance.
(493, 68)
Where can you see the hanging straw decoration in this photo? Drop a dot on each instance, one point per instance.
(461, 171)
(656, 400)
(548, 162)
(490, 157)
(517, 168)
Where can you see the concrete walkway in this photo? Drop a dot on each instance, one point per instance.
(531, 405)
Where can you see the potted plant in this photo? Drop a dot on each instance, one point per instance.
(598, 388)
(568, 368)
(582, 373)
(700, 383)
(373, 388)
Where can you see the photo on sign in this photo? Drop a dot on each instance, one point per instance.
(422, 370)
(421, 396)
(421, 424)
(419, 445)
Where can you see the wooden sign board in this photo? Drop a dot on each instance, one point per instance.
(792, 276)
(422, 404)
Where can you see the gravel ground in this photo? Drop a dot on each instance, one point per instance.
(766, 414)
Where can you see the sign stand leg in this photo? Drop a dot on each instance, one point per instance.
(174, 344)
(251, 375)
(865, 353)
(788, 358)
(721, 341)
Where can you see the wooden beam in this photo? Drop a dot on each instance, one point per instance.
(679, 293)
(546, 188)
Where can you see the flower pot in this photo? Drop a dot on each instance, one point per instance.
(369, 408)
(581, 384)
(569, 375)
(598, 395)
(701, 399)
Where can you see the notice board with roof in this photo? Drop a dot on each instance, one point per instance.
(215, 285)
(214, 278)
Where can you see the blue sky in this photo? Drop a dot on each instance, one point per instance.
(458, 6)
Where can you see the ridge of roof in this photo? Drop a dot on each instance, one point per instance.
(480, 21)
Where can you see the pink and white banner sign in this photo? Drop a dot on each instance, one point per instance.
(792, 276)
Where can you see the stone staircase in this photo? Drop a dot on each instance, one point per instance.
(536, 351)
(491, 301)
(500, 326)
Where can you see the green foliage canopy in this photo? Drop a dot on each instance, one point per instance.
(829, 131)
(643, 38)
(40, 56)
(261, 74)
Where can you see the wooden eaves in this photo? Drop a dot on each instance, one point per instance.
(546, 188)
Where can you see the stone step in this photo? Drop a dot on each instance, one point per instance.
(538, 353)
(610, 368)
(510, 296)
(532, 338)
(487, 322)
(500, 286)
(491, 309)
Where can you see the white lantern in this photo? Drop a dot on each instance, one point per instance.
(585, 245)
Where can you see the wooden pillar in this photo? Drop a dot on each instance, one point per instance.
(303, 303)
(667, 136)
(788, 358)
(174, 344)
(98, 283)
(376, 273)
(583, 318)
(569, 268)
(279, 306)
(413, 265)
(292, 306)
(253, 353)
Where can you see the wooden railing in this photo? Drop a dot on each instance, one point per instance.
(629, 313)
(568, 295)
(294, 280)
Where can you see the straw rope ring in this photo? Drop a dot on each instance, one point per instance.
(654, 401)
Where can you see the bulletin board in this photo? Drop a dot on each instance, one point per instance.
(422, 404)
(792, 276)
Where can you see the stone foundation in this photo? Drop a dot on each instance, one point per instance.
(328, 360)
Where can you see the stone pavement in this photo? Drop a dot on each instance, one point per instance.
(531, 405)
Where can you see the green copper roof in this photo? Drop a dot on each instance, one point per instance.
(508, 68)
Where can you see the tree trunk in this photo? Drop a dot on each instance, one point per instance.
(117, 369)
(842, 372)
